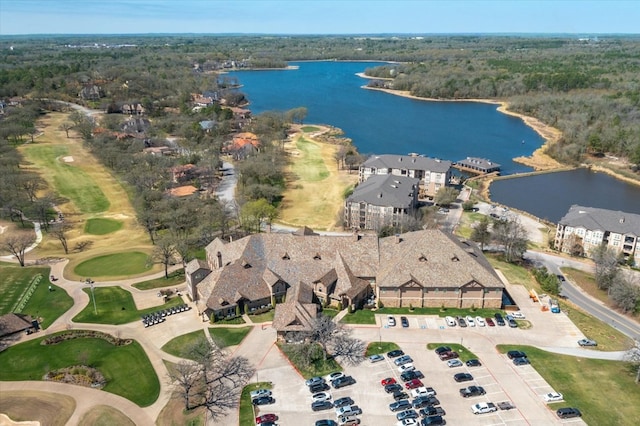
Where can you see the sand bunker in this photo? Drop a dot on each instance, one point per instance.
(67, 159)
(5, 420)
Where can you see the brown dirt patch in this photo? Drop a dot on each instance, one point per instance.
(173, 415)
(44, 407)
(104, 415)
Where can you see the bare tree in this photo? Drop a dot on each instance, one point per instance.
(349, 349)
(481, 232)
(633, 356)
(17, 244)
(165, 253)
(66, 126)
(333, 338)
(211, 379)
(60, 231)
(624, 293)
(607, 266)
(512, 236)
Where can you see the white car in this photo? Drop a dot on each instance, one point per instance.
(517, 315)
(407, 422)
(483, 407)
(470, 321)
(259, 392)
(331, 377)
(321, 396)
(451, 321)
(406, 367)
(422, 391)
(552, 397)
(454, 363)
(480, 322)
(391, 321)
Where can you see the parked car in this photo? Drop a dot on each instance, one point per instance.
(348, 421)
(480, 322)
(403, 404)
(387, 381)
(376, 358)
(441, 349)
(425, 401)
(406, 367)
(561, 277)
(391, 321)
(395, 353)
(473, 363)
(259, 392)
(394, 387)
(433, 420)
(483, 407)
(461, 322)
(462, 377)
(432, 411)
(404, 321)
(326, 422)
(521, 361)
(319, 387)
(423, 391)
(414, 384)
(410, 375)
(553, 396)
(404, 359)
(568, 412)
(269, 417)
(408, 422)
(321, 405)
(454, 363)
(445, 356)
(512, 323)
(490, 322)
(470, 391)
(341, 402)
(516, 354)
(399, 395)
(470, 321)
(314, 380)
(451, 322)
(335, 375)
(342, 382)
(320, 396)
(407, 414)
(517, 315)
(263, 400)
(499, 319)
(505, 405)
(348, 410)
(587, 342)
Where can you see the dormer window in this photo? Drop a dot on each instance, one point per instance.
(317, 257)
(455, 258)
(286, 257)
(422, 258)
(245, 264)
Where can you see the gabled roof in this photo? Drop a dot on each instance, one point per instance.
(14, 323)
(194, 265)
(595, 219)
(386, 190)
(408, 162)
(297, 313)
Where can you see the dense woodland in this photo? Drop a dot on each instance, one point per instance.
(587, 88)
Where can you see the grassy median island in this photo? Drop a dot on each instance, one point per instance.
(465, 354)
(126, 368)
(317, 366)
(604, 391)
(375, 348)
(247, 417)
(102, 226)
(114, 265)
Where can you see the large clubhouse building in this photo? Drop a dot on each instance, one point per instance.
(583, 229)
(298, 272)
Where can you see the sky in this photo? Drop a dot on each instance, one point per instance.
(318, 16)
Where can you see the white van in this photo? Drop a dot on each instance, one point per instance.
(451, 322)
(348, 421)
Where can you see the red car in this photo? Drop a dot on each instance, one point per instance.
(266, 418)
(413, 384)
(490, 322)
(387, 381)
(445, 356)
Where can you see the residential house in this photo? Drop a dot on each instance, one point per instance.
(432, 172)
(422, 268)
(381, 200)
(183, 173)
(207, 125)
(583, 229)
(133, 109)
(90, 92)
(243, 145)
(182, 191)
(477, 165)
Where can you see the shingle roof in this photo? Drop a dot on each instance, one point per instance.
(14, 323)
(298, 311)
(408, 162)
(386, 190)
(595, 219)
(194, 265)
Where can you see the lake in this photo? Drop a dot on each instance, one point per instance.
(382, 123)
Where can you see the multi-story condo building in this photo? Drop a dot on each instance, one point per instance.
(584, 228)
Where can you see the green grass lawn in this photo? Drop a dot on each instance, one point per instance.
(175, 278)
(311, 167)
(330, 312)
(116, 264)
(246, 407)
(126, 368)
(264, 317)
(320, 367)
(604, 391)
(229, 336)
(360, 317)
(116, 306)
(309, 129)
(465, 354)
(178, 346)
(236, 320)
(69, 180)
(515, 274)
(44, 304)
(102, 226)
(375, 348)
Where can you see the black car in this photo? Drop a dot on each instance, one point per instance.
(318, 387)
(516, 354)
(395, 353)
(521, 361)
(341, 402)
(442, 349)
(568, 412)
(403, 404)
(499, 319)
(433, 420)
(407, 414)
(473, 363)
(399, 395)
(472, 391)
(404, 321)
(410, 375)
(326, 422)
(425, 401)
(461, 322)
(321, 405)
(393, 387)
(432, 411)
(263, 400)
(462, 377)
(343, 381)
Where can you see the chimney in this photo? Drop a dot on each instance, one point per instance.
(397, 239)
(219, 256)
